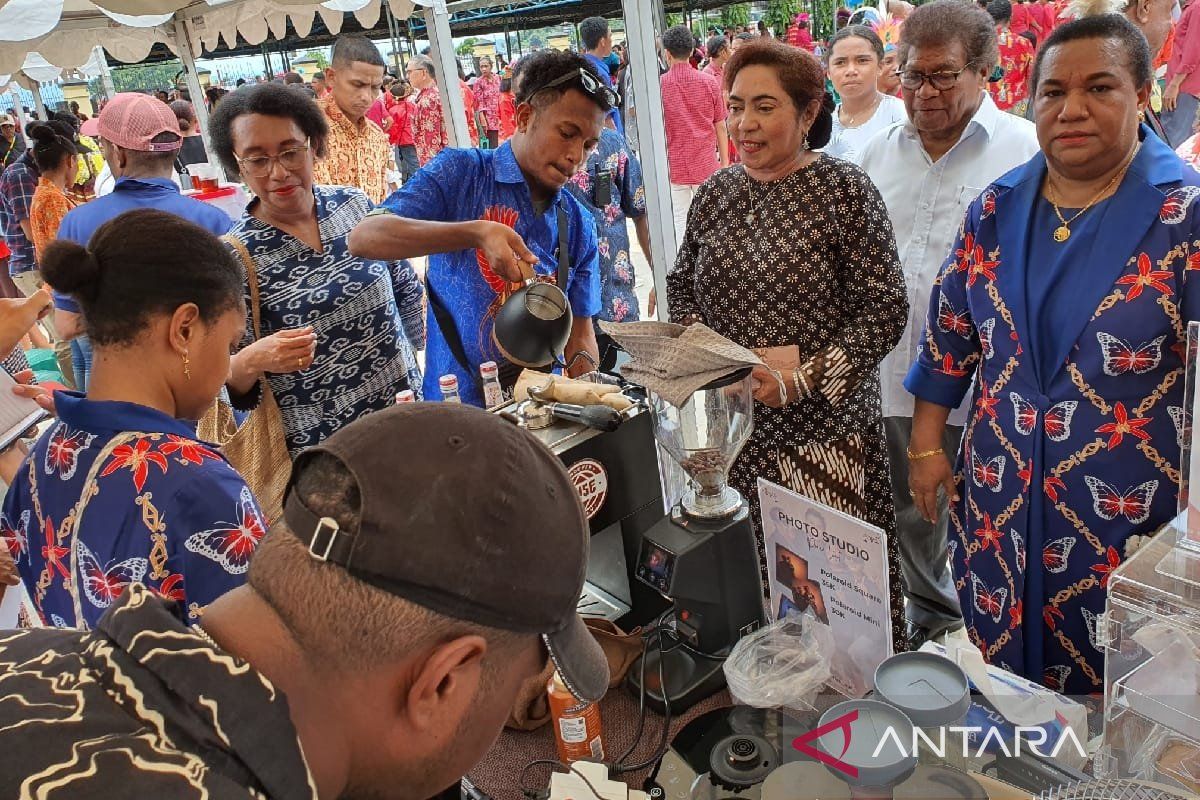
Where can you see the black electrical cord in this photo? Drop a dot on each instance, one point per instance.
(655, 630)
(537, 794)
(663, 742)
(637, 736)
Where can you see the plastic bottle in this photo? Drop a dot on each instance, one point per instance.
(449, 387)
(493, 395)
(406, 396)
(577, 729)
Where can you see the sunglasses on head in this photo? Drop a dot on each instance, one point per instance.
(588, 82)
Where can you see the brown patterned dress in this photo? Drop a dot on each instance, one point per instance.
(807, 260)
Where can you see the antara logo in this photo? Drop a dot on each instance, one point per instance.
(989, 739)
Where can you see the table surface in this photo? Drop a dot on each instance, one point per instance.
(499, 771)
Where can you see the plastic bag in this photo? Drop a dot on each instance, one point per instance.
(784, 664)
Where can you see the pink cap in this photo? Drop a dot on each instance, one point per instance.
(131, 120)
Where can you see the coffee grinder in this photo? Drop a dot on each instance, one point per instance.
(702, 556)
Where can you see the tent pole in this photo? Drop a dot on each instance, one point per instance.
(640, 17)
(38, 105)
(441, 43)
(106, 80)
(183, 41)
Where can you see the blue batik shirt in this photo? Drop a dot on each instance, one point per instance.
(627, 200)
(367, 316)
(166, 510)
(464, 185)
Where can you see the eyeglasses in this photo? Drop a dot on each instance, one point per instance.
(942, 81)
(292, 160)
(589, 82)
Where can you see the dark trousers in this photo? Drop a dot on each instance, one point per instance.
(493, 139)
(406, 160)
(932, 601)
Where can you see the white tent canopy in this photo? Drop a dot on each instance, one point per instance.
(36, 35)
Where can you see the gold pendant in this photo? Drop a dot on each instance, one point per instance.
(1062, 233)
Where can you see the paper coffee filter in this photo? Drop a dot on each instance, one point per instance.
(673, 361)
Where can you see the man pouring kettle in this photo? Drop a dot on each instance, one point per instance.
(490, 219)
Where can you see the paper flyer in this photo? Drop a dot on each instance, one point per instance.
(830, 565)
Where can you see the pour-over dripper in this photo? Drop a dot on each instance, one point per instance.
(704, 436)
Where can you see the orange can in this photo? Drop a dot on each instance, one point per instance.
(577, 729)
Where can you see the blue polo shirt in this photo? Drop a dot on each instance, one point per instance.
(161, 194)
(463, 185)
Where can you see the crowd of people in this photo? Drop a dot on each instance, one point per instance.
(965, 263)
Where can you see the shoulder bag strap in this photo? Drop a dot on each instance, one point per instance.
(564, 251)
(89, 491)
(251, 281)
(445, 321)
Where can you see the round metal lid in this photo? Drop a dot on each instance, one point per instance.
(870, 743)
(931, 690)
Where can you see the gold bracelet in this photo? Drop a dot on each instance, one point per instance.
(918, 456)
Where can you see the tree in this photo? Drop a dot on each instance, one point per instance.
(140, 78)
(780, 14)
(735, 14)
(467, 47)
(318, 56)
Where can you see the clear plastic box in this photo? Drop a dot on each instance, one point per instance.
(1150, 634)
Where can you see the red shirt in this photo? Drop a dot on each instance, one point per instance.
(1185, 53)
(1016, 59)
(692, 106)
(1020, 19)
(401, 132)
(508, 116)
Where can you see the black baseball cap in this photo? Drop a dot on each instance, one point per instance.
(467, 515)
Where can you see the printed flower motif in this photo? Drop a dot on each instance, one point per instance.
(986, 402)
(988, 535)
(981, 266)
(1051, 486)
(189, 451)
(583, 180)
(1111, 562)
(1016, 615)
(1147, 276)
(53, 554)
(964, 254)
(620, 309)
(15, 537)
(1124, 425)
(172, 588)
(604, 247)
(948, 367)
(138, 459)
(1050, 614)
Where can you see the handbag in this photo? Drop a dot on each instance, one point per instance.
(258, 448)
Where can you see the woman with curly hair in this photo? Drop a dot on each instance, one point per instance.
(346, 327)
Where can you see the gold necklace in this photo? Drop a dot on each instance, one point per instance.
(870, 111)
(1063, 231)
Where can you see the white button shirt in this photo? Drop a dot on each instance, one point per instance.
(926, 201)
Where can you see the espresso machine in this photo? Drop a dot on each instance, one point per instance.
(701, 556)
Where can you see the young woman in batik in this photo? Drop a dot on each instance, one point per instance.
(118, 490)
